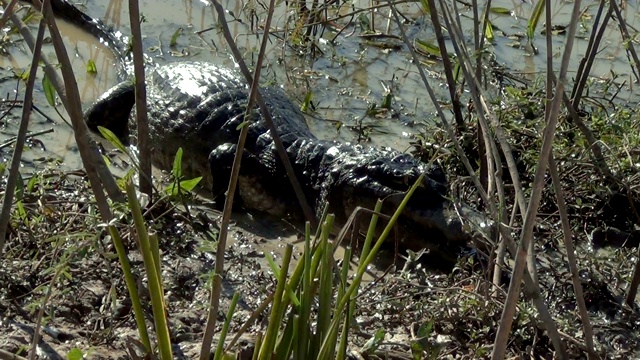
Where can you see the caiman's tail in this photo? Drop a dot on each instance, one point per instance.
(118, 43)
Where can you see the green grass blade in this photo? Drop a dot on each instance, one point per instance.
(225, 326)
(154, 281)
(113, 139)
(288, 289)
(344, 271)
(344, 276)
(344, 336)
(155, 250)
(283, 350)
(326, 346)
(305, 299)
(425, 6)
(325, 292)
(177, 165)
(258, 346)
(534, 19)
(371, 230)
(266, 351)
(488, 31)
(49, 91)
(130, 281)
(428, 48)
(500, 10)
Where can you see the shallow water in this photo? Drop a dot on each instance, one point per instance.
(345, 80)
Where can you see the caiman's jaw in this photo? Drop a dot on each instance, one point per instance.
(428, 221)
(426, 218)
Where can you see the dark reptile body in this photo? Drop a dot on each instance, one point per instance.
(199, 107)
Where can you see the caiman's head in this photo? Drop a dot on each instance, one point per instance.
(428, 220)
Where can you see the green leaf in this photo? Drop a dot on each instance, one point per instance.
(188, 185)
(122, 182)
(373, 110)
(306, 104)
(112, 138)
(75, 354)
(22, 213)
(183, 186)
(49, 91)
(386, 101)
(31, 184)
(67, 275)
(241, 125)
(500, 10)
(23, 75)
(30, 17)
(488, 31)
(533, 20)
(416, 350)
(229, 356)
(272, 264)
(106, 160)
(372, 344)
(428, 48)
(19, 191)
(175, 36)
(425, 329)
(425, 6)
(91, 67)
(363, 21)
(177, 165)
(457, 70)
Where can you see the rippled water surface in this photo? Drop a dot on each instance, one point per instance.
(345, 77)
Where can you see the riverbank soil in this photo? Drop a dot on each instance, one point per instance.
(58, 258)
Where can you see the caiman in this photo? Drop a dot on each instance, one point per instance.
(199, 107)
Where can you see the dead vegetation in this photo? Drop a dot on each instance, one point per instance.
(555, 167)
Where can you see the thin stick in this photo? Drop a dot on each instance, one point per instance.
(506, 320)
(28, 136)
(282, 152)
(96, 160)
(448, 68)
(571, 256)
(5, 355)
(216, 286)
(88, 153)
(441, 116)
(36, 332)
(532, 288)
(8, 10)
(586, 63)
(14, 171)
(626, 38)
(144, 146)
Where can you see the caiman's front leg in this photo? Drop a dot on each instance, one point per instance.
(258, 187)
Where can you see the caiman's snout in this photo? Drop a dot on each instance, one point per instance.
(429, 220)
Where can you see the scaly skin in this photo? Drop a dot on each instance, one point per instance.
(199, 107)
